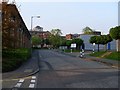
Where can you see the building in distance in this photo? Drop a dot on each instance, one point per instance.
(38, 31)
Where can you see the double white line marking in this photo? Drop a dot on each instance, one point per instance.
(32, 82)
(19, 83)
(32, 85)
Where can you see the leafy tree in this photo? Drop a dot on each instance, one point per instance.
(105, 39)
(36, 40)
(55, 38)
(93, 39)
(78, 42)
(68, 43)
(55, 41)
(115, 34)
(56, 32)
(46, 41)
(87, 30)
(96, 40)
(63, 42)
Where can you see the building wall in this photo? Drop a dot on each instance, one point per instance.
(69, 36)
(14, 31)
(72, 36)
(89, 46)
(41, 34)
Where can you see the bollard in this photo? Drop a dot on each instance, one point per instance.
(83, 52)
(71, 50)
(81, 55)
(93, 51)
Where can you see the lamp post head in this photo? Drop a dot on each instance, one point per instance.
(38, 16)
(35, 16)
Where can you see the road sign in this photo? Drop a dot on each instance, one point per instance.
(93, 44)
(73, 45)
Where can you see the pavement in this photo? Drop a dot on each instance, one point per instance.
(27, 69)
(113, 63)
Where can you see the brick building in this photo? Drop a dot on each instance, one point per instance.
(72, 36)
(44, 35)
(41, 34)
(14, 31)
(69, 36)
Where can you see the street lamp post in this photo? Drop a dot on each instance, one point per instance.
(32, 20)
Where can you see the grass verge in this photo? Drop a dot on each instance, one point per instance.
(98, 54)
(112, 56)
(69, 50)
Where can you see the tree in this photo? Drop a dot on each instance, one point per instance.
(115, 34)
(92, 39)
(78, 42)
(36, 40)
(102, 39)
(68, 43)
(63, 42)
(105, 39)
(56, 32)
(87, 30)
(96, 40)
(55, 37)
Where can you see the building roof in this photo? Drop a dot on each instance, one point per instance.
(41, 31)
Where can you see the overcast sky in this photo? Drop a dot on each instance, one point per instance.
(70, 17)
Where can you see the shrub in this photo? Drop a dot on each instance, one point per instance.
(13, 58)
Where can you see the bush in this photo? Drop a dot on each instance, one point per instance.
(13, 58)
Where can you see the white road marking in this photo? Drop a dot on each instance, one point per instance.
(33, 77)
(33, 81)
(21, 80)
(31, 85)
(18, 84)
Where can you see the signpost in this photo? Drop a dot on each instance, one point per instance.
(93, 47)
(73, 45)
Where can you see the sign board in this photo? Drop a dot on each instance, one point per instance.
(73, 45)
(93, 44)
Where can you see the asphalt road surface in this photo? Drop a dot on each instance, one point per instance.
(61, 71)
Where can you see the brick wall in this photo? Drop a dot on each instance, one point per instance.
(14, 31)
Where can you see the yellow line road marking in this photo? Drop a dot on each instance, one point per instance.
(16, 79)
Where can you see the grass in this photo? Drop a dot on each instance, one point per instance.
(98, 54)
(69, 50)
(112, 56)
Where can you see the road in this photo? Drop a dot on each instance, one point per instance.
(61, 71)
